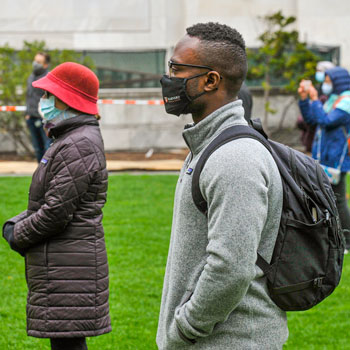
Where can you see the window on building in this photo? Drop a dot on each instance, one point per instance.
(128, 69)
(326, 53)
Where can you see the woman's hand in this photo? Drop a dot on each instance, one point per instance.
(303, 93)
(313, 93)
(7, 233)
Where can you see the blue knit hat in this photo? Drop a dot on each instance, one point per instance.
(340, 79)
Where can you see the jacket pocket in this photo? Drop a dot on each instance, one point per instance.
(184, 338)
(45, 253)
(186, 297)
(26, 268)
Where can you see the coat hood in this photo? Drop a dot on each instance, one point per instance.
(340, 78)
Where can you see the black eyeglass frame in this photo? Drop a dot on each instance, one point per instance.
(171, 63)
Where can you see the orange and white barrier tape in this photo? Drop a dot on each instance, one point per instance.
(102, 102)
(12, 108)
(131, 102)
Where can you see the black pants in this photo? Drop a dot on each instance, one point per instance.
(343, 209)
(39, 139)
(68, 344)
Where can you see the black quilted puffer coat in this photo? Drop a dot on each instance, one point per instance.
(63, 237)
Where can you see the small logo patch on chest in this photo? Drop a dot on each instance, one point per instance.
(44, 161)
(189, 171)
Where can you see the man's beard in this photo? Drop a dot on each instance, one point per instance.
(194, 107)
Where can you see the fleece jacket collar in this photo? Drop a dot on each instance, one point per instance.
(197, 136)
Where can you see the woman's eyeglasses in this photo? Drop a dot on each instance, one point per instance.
(47, 94)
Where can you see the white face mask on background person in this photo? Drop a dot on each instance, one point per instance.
(327, 88)
(319, 76)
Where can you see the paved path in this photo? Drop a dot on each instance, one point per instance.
(27, 168)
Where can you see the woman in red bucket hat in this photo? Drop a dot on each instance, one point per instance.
(61, 234)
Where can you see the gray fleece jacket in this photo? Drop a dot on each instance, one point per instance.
(214, 295)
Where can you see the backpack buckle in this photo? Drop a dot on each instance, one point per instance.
(327, 219)
(318, 282)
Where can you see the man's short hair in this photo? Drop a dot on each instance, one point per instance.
(223, 49)
(46, 55)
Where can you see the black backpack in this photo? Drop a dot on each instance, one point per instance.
(308, 256)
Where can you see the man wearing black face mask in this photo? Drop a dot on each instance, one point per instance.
(40, 141)
(214, 295)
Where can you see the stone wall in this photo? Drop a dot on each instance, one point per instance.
(130, 127)
(141, 127)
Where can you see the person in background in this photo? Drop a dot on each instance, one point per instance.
(307, 130)
(33, 118)
(61, 233)
(332, 120)
(320, 74)
(245, 95)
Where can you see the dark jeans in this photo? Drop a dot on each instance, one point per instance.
(68, 344)
(343, 209)
(39, 139)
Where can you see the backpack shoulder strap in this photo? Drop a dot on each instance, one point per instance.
(228, 135)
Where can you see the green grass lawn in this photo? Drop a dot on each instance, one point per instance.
(137, 221)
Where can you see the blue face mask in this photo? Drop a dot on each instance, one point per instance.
(48, 109)
(319, 76)
(327, 88)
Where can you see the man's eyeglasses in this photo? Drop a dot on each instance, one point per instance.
(171, 64)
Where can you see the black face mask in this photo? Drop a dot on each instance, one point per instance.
(38, 68)
(175, 96)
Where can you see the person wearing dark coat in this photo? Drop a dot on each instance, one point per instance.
(61, 233)
(245, 95)
(40, 141)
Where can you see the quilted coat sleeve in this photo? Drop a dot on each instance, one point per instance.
(71, 172)
(314, 114)
(334, 118)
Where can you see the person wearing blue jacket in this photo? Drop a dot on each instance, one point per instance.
(333, 126)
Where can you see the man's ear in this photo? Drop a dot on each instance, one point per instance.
(212, 81)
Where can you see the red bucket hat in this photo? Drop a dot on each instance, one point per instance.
(74, 84)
